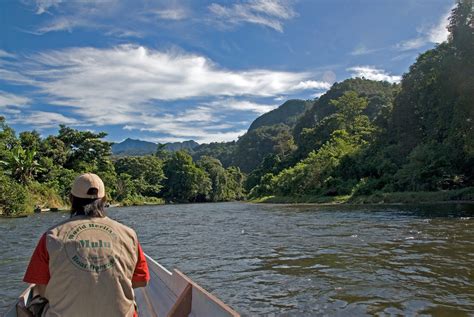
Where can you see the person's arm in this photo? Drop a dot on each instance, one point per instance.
(141, 275)
(38, 268)
(39, 289)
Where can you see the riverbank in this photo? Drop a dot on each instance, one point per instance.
(465, 195)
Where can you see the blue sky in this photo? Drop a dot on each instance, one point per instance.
(177, 70)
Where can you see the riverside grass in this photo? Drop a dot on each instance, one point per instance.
(463, 195)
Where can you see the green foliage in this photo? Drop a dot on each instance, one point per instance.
(140, 175)
(13, 197)
(235, 183)
(223, 151)
(218, 177)
(255, 145)
(7, 139)
(185, 182)
(83, 148)
(226, 184)
(46, 168)
(137, 200)
(287, 114)
(313, 174)
(364, 137)
(316, 125)
(45, 195)
(21, 164)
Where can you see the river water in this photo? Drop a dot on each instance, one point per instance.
(294, 260)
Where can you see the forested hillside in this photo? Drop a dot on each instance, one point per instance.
(365, 137)
(360, 138)
(288, 113)
(131, 147)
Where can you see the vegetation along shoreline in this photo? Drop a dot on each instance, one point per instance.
(362, 141)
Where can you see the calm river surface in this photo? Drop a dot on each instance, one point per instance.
(294, 261)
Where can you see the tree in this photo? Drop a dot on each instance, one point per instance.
(235, 183)
(84, 148)
(142, 175)
(7, 139)
(21, 164)
(218, 177)
(13, 196)
(255, 145)
(185, 182)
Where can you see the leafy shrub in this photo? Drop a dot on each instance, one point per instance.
(13, 197)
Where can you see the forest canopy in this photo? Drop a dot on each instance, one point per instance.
(362, 137)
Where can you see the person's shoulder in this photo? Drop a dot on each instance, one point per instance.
(59, 224)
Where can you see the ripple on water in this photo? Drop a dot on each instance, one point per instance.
(293, 260)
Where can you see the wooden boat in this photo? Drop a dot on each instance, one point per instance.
(170, 294)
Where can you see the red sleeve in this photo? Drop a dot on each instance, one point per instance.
(141, 273)
(38, 269)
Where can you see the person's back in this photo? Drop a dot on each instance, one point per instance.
(89, 264)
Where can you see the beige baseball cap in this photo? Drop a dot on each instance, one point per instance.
(83, 184)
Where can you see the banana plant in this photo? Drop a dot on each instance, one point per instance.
(21, 164)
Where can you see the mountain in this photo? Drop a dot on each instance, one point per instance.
(138, 147)
(288, 113)
(134, 147)
(185, 145)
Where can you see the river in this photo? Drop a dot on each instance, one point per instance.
(294, 260)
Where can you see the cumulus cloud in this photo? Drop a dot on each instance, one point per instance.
(370, 72)
(269, 13)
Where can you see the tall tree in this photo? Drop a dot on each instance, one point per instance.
(185, 182)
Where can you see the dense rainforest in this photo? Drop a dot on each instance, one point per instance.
(360, 138)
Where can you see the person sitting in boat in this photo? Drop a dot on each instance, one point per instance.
(89, 264)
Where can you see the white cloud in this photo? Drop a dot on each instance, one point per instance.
(270, 13)
(241, 105)
(120, 18)
(42, 6)
(412, 44)
(312, 84)
(436, 34)
(370, 72)
(173, 127)
(362, 50)
(63, 24)
(5, 54)
(143, 89)
(8, 99)
(43, 119)
(171, 14)
(125, 77)
(439, 33)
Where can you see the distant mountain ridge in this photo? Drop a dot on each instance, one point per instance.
(285, 115)
(129, 147)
